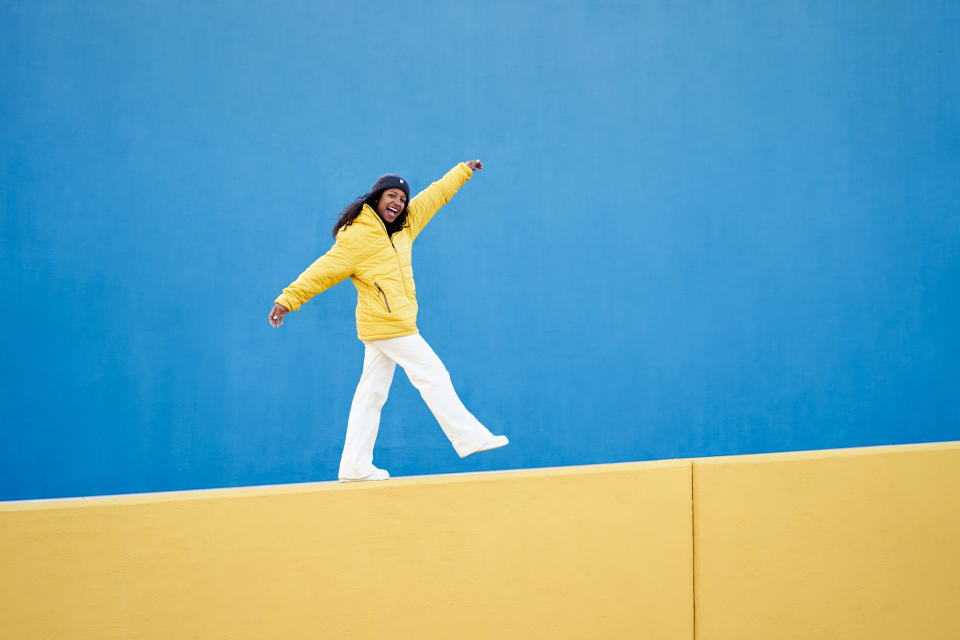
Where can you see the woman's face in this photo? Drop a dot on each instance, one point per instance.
(390, 204)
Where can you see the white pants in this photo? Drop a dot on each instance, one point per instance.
(431, 379)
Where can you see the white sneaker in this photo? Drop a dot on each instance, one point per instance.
(376, 474)
(495, 442)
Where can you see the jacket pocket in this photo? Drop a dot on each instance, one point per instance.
(383, 293)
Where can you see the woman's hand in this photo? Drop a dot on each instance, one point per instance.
(276, 315)
(476, 165)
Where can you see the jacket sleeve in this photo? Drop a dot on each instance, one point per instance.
(329, 269)
(425, 204)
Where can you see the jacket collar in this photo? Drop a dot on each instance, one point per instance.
(374, 218)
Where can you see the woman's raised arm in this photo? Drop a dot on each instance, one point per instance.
(425, 204)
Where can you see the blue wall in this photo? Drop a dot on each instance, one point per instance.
(704, 228)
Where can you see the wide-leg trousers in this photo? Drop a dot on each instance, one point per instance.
(431, 379)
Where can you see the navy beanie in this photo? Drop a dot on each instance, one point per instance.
(391, 181)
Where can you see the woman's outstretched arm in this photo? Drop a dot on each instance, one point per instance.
(326, 271)
(425, 204)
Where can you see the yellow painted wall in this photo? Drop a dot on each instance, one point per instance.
(860, 543)
(856, 543)
(581, 552)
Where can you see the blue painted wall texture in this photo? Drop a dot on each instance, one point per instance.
(703, 228)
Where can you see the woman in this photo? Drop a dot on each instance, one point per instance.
(374, 237)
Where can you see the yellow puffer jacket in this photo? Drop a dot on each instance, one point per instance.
(379, 266)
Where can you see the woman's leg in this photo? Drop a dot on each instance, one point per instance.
(432, 380)
(364, 420)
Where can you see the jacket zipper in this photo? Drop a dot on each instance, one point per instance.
(396, 253)
(384, 297)
(403, 278)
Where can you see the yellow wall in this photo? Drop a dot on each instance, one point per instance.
(860, 543)
(582, 552)
(857, 543)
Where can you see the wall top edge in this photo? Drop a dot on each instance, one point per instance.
(847, 452)
(460, 478)
(315, 487)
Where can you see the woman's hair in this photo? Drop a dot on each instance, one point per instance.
(352, 210)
